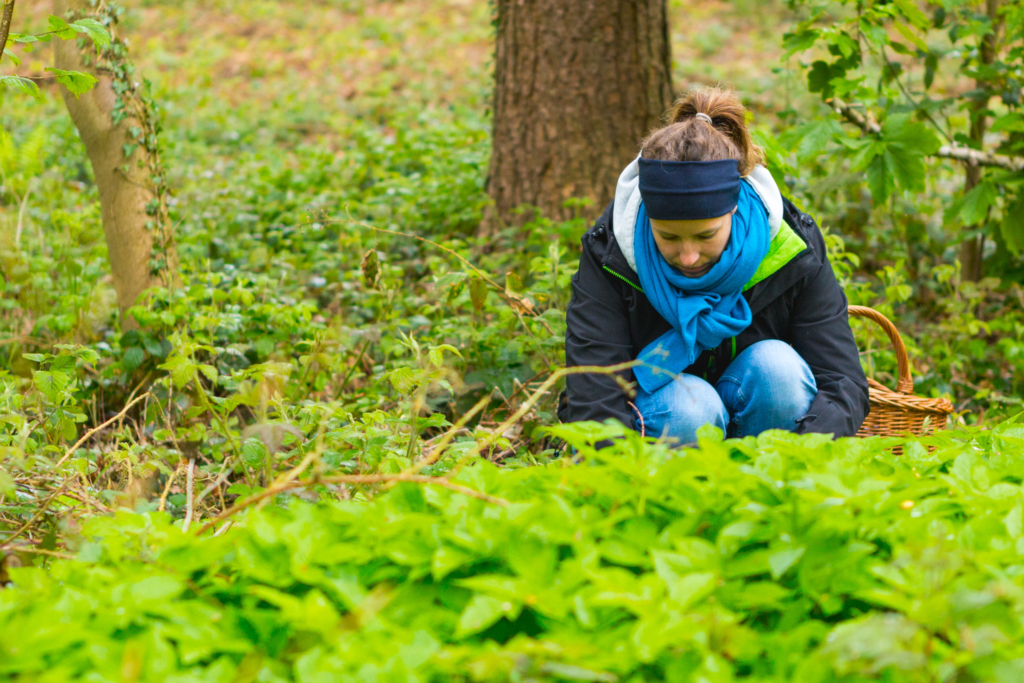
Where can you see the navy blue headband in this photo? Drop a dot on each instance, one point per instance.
(689, 190)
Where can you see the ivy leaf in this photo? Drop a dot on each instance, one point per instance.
(76, 82)
(93, 29)
(18, 83)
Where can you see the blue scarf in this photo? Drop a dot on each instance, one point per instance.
(703, 311)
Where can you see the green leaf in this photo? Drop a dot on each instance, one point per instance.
(155, 589)
(513, 284)
(51, 384)
(450, 279)
(818, 78)
(977, 202)
(1014, 521)
(132, 358)
(916, 136)
(253, 453)
(908, 167)
(56, 23)
(570, 672)
(183, 370)
(907, 33)
(815, 136)
(18, 83)
(481, 612)
(7, 486)
(93, 29)
(209, 371)
(799, 41)
(881, 177)
(691, 588)
(60, 27)
(436, 354)
(1012, 227)
(781, 560)
(64, 364)
(914, 15)
(1009, 123)
(76, 82)
(478, 293)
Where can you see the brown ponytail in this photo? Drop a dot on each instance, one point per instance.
(688, 138)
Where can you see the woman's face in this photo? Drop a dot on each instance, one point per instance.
(693, 247)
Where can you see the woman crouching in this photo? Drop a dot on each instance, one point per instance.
(719, 286)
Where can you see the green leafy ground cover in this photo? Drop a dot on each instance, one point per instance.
(776, 558)
(300, 140)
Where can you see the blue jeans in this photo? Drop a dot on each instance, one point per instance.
(768, 386)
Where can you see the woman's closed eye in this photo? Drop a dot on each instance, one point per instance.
(676, 238)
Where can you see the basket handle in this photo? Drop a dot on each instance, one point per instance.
(905, 383)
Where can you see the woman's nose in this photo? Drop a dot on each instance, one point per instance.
(688, 257)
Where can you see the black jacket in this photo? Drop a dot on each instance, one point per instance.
(610, 321)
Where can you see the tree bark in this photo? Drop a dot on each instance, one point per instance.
(578, 84)
(5, 25)
(140, 256)
(972, 250)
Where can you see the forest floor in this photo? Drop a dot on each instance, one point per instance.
(334, 452)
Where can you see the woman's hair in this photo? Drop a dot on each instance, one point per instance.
(688, 138)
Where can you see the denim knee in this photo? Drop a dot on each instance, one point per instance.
(768, 386)
(680, 408)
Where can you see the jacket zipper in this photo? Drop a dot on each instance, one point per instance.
(623, 277)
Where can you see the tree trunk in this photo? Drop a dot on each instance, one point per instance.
(972, 251)
(139, 247)
(578, 84)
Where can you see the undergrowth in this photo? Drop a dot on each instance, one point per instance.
(333, 450)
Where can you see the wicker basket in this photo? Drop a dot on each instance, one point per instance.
(894, 413)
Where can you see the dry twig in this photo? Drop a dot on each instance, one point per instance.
(189, 503)
(85, 437)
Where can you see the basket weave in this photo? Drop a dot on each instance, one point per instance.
(894, 413)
